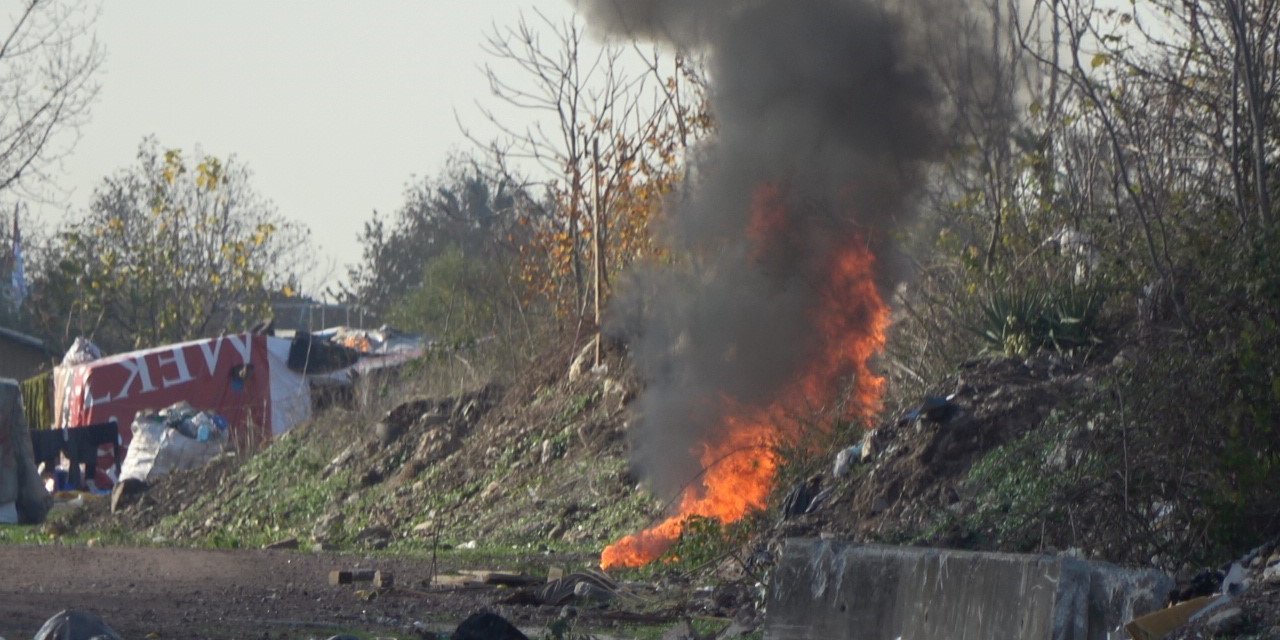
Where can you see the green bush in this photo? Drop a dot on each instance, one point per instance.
(1020, 319)
(461, 298)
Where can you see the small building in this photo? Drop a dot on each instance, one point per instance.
(22, 356)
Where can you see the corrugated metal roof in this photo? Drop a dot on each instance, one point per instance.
(23, 338)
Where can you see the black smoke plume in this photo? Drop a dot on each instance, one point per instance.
(825, 105)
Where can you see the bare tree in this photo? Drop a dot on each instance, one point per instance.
(48, 61)
(615, 117)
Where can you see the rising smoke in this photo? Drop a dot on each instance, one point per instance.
(820, 105)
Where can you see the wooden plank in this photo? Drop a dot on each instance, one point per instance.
(339, 576)
(502, 577)
(456, 581)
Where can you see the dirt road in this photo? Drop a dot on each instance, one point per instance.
(182, 593)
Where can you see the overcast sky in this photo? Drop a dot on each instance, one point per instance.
(334, 105)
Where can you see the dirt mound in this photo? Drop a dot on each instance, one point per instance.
(177, 492)
(1022, 455)
(547, 463)
(920, 463)
(916, 464)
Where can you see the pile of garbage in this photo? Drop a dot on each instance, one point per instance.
(175, 438)
(1239, 599)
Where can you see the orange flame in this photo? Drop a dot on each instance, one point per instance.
(739, 465)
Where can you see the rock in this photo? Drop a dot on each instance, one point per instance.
(558, 530)
(287, 543)
(126, 492)
(615, 394)
(738, 629)
(1271, 575)
(682, 631)
(878, 506)
(339, 461)
(73, 624)
(548, 451)
(327, 525)
(387, 432)
(1225, 622)
(584, 361)
(370, 478)
(421, 629)
(424, 528)
(845, 459)
(487, 626)
(374, 536)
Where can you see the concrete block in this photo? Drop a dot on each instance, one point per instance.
(832, 590)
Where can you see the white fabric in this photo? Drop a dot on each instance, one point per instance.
(290, 392)
(157, 450)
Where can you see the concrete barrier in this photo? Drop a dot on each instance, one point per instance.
(831, 590)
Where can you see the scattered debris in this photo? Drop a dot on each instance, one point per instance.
(845, 459)
(487, 626)
(126, 493)
(502, 577)
(74, 624)
(935, 409)
(591, 593)
(1158, 624)
(1244, 603)
(801, 497)
(593, 586)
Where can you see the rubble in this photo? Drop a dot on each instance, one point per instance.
(1246, 603)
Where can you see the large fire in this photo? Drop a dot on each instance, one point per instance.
(739, 463)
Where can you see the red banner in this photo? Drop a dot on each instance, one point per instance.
(229, 375)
